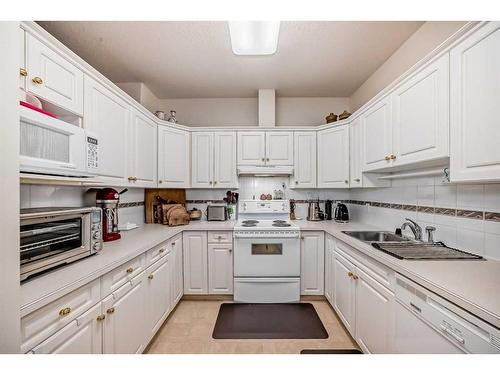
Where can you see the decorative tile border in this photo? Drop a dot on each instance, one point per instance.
(130, 204)
(460, 213)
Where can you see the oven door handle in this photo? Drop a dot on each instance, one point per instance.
(34, 232)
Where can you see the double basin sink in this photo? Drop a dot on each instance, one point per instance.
(376, 236)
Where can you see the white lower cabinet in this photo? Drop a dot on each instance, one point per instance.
(158, 295)
(374, 314)
(176, 273)
(82, 335)
(312, 263)
(124, 325)
(195, 262)
(329, 268)
(344, 291)
(220, 268)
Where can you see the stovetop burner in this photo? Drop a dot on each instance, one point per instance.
(250, 221)
(279, 221)
(248, 225)
(281, 225)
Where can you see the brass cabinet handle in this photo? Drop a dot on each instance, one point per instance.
(151, 277)
(131, 178)
(387, 158)
(23, 72)
(173, 243)
(393, 157)
(219, 237)
(210, 182)
(215, 182)
(263, 159)
(301, 237)
(355, 277)
(162, 251)
(37, 80)
(160, 181)
(346, 181)
(357, 180)
(101, 317)
(296, 182)
(267, 159)
(111, 310)
(350, 274)
(65, 311)
(130, 270)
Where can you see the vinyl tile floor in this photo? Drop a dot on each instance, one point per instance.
(189, 328)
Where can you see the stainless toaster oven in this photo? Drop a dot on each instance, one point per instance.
(52, 237)
(217, 212)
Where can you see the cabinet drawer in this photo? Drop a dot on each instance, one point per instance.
(157, 253)
(220, 237)
(122, 274)
(42, 323)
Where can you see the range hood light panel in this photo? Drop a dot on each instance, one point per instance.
(254, 37)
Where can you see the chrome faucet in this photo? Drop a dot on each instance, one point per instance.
(415, 228)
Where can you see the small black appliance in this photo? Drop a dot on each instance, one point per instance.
(328, 210)
(341, 213)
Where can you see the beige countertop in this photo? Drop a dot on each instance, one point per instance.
(472, 285)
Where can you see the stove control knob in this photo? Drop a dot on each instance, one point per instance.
(96, 235)
(97, 246)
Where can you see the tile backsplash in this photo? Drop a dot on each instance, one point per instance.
(466, 216)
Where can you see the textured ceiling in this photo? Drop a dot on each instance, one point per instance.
(193, 59)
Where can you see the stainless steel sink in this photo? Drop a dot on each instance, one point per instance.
(376, 236)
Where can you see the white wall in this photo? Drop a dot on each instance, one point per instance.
(244, 111)
(430, 35)
(9, 189)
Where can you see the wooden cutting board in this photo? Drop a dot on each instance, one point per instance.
(175, 195)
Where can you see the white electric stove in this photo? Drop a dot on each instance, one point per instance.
(266, 253)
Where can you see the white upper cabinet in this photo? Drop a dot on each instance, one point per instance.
(225, 160)
(475, 106)
(202, 159)
(108, 116)
(173, 157)
(52, 77)
(251, 148)
(265, 148)
(142, 145)
(23, 72)
(333, 157)
(279, 148)
(420, 108)
(213, 160)
(377, 135)
(355, 154)
(304, 164)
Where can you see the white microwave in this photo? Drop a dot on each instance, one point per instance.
(54, 147)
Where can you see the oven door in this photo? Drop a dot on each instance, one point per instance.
(266, 257)
(46, 243)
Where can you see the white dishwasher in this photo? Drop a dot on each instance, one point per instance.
(426, 323)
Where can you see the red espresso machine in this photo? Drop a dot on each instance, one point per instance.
(108, 200)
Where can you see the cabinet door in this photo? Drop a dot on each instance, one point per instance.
(355, 153)
(475, 107)
(279, 148)
(225, 160)
(179, 272)
(344, 291)
(108, 116)
(124, 326)
(52, 77)
(377, 135)
(142, 151)
(158, 295)
(220, 269)
(304, 160)
(333, 157)
(202, 159)
(173, 157)
(312, 263)
(82, 336)
(420, 108)
(329, 269)
(251, 148)
(23, 72)
(195, 262)
(374, 314)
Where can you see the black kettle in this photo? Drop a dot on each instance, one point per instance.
(341, 213)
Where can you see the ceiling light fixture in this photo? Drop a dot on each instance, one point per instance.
(254, 37)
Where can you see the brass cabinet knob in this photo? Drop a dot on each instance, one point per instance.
(151, 277)
(393, 157)
(101, 317)
(215, 182)
(355, 277)
(162, 251)
(65, 311)
(267, 159)
(131, 179)
(37, 80)
(301, 237)
(23, 72)
(263, 159)
(387, 158)
(350, 274)
(130, 270)
(346, 181)
(296, 182)
(210, 182)
(357, 180)
(160, 181)
(111, 310)
(173, 243)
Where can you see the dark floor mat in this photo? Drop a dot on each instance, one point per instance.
(268, 321)
(331, 351)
